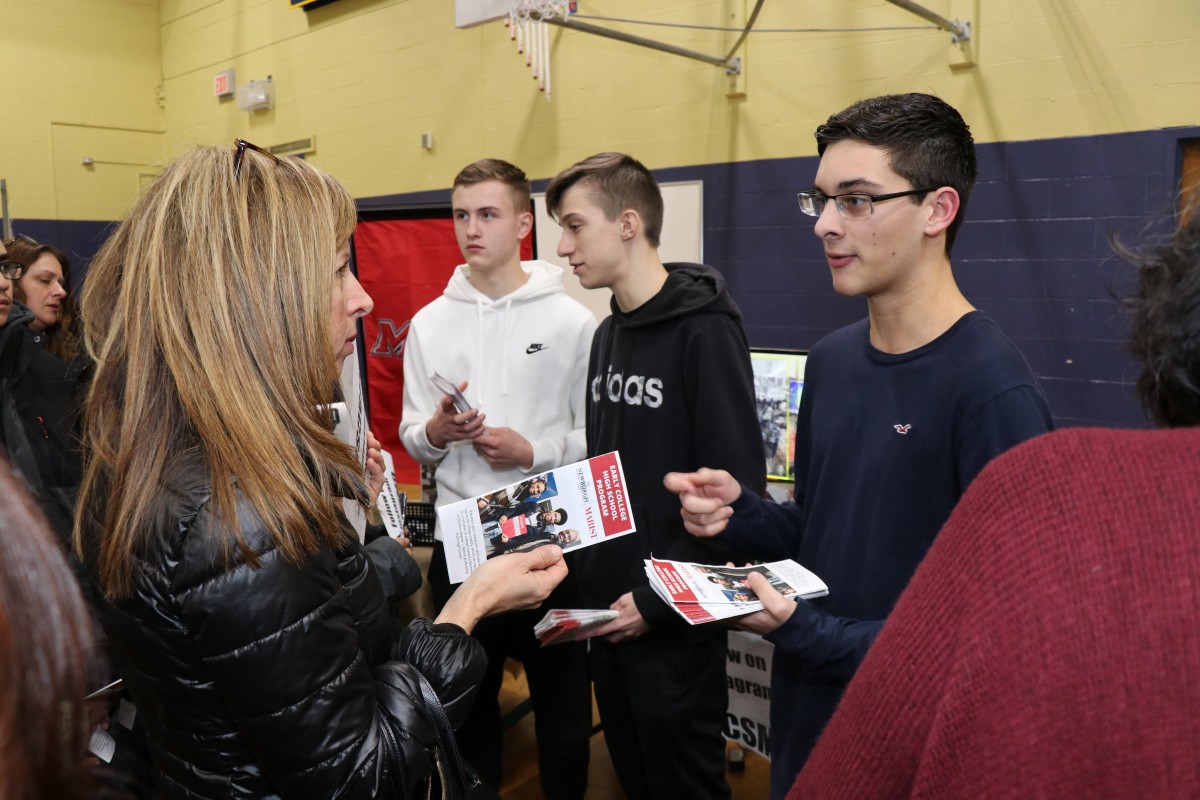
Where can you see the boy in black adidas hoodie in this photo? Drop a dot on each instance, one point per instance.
(670, 388)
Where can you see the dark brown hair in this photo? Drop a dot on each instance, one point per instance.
(1165, 324)
(926, 139)
(45, 632)
(61, 340)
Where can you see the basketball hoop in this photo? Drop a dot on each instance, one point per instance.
(522, 9)
(527, 27)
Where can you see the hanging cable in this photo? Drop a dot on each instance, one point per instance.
(746, 32)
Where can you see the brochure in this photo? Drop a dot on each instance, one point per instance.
(568, 624)
(704, 593)
(573, 506)
(391, 502)
(450, 389)
(108, 689)
(350, 426)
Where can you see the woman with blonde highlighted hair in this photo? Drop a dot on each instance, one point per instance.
(243, 613)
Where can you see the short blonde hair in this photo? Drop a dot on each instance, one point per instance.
(207, 314)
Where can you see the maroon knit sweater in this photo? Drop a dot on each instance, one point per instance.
(1049, 644)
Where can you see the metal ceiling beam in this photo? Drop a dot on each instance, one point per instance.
(732, 64)
(959, 31)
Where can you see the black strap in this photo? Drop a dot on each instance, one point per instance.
(445, 737)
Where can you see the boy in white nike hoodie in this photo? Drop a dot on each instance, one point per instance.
(508, 331)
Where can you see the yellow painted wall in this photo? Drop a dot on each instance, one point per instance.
(368, 77)
(80, 78)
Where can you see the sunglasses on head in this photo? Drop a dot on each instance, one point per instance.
(242, 146)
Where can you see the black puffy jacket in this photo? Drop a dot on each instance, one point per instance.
(280, 681)
(37, 420)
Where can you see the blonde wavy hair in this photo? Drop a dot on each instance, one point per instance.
(207, 315)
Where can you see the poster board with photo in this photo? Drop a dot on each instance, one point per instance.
(778, 387)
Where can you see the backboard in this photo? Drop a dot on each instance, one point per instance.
(469, 13)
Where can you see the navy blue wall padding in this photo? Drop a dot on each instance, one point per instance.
(1033, 252)
(79, 239)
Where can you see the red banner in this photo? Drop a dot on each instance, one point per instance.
(404, 264)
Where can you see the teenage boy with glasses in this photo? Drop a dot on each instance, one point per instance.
(900, 410)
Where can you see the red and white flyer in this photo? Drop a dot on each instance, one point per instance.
(573, 506)
(706, 592)
(568, 624)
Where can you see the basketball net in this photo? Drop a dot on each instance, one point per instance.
(527, 28)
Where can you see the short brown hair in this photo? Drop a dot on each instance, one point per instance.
(616, 182)
(495, 169)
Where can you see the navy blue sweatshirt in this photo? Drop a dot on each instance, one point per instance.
(885, 446)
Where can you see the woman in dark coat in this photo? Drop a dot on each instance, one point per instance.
(242, 612)
(36, 415)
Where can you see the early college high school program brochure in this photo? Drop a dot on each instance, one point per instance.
(573, 506)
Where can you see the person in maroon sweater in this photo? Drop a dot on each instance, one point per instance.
(1047, 645)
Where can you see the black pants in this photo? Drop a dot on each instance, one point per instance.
(559, 689)
(663, 704)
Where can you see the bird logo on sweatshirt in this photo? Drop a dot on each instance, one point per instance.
(903, 429)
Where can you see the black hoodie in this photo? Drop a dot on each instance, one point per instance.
(671, 389)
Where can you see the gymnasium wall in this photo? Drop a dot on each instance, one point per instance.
(78, 78)
(369, 77)
(1080, 108)
(1034, 253)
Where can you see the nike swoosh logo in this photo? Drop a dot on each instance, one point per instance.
(534, 348)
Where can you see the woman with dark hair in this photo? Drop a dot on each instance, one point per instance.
(44, 657)
(45, 290)
(36, 415)
(242, 612)
(1047, 645)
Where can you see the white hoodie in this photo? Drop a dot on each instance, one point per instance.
(525, 358)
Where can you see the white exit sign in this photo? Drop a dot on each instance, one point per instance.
(224, 83)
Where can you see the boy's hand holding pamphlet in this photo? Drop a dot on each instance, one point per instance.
(568, 625)
(704, 593)
(572, 506)
(450, 390)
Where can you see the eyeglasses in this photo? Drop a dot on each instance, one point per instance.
(20, 238)
(854, 205)
(242, 147)
(12, 270)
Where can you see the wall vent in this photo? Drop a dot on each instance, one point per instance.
(306, 145)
